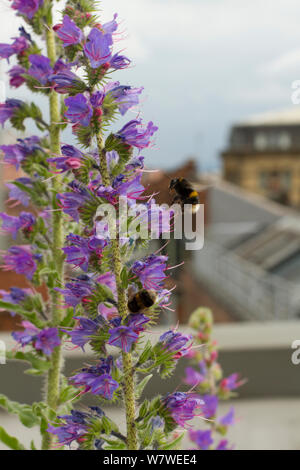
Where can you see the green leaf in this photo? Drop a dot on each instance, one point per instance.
(10, 441)
(140, 387)
(39, 364)
(31, 316)
(145, 354)
(173, 444)
(25, 413)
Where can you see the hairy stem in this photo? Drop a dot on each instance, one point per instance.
(129, 395)
(53, 379)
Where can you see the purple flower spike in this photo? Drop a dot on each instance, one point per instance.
(134, 134)
(79, 110)
(203, 439)
(21, 260)
(123, 337)
(68, 32)
(27, 7)
(40, 68)
(97, 48)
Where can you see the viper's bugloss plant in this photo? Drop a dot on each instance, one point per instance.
(91, 276)
(205, 376)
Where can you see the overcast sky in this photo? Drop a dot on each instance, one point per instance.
(204, 64)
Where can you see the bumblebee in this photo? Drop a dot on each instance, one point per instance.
(185, 193)
(141, 301)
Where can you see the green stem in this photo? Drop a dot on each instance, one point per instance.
(129, 395)
(53, 379)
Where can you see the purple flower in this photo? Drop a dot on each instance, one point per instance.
(131, 188)
(40, 68)
(16, 194)
(97, 47)
(203, 439)
(72, 201)
(183, 406)
(8, 108)
(15, 296)
(231, 382)
(123, 337)
(12, 224)
(210, 405)
(68, 32)
(228, 419)
(223, 445)
(151, 271)
(82, 249)
(7, 50)
(47, 340)
(176, 342)
(77, 291)
(137, 322)
(134, 134)
(73, 429)
(16, 78)
(85, 329)
(111, 26)
(65, 81)
(79, 109)
(72, 159)
(27, 7)
(108, 279)
(15, 154)
(97, 379)
(125, 96)
(97, 98)
(119, 62)
(192, 377)
(21, 260)
(42, 340)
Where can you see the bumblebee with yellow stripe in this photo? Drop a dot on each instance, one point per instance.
(185, 193)
(141, 301)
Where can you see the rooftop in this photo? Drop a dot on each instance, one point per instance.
(288, 116)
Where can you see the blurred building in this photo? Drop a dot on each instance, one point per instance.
(250, 262)
(263, 156)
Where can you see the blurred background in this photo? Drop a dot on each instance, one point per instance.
(219, 77)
